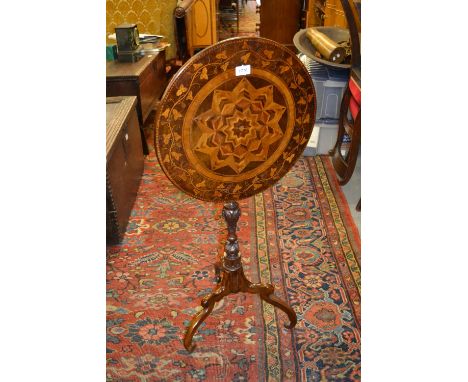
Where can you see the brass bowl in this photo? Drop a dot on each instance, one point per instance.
(304, 45)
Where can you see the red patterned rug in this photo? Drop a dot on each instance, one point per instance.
(298, 235)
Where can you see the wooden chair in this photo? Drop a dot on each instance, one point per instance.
(180, 33)
(344, 155)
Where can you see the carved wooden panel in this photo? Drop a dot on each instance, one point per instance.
(219, 136)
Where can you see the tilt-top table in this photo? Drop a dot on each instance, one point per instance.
(232, 122)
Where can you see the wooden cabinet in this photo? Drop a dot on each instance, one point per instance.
(124, 163)
(280, 20)
(145, 79)
(201, 25)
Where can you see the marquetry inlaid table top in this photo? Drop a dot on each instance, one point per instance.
(223, 136)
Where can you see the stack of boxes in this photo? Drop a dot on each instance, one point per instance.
(330, 85)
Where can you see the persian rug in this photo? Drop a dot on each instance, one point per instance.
(297, 235)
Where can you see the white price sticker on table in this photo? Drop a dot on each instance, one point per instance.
(242, 70)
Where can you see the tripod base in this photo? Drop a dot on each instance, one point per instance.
(234, 281)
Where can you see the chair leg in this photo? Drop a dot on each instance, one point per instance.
(341, 129)
(353, 152)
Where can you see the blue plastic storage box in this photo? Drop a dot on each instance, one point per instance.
(330, 84)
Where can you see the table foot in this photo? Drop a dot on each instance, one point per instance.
(266, 294)
(208, 303)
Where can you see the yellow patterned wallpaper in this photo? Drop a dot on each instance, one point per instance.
(151, 16)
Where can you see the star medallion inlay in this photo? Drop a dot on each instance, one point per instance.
(240, 127)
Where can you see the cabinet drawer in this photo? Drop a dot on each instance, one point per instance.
(148, 91)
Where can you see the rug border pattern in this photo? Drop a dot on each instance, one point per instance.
(343, 249)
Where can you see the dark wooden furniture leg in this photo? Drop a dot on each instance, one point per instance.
(232, 280)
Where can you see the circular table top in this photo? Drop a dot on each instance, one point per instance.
(221, 136)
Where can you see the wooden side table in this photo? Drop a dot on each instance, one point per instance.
(145, 79)
(239, 136)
